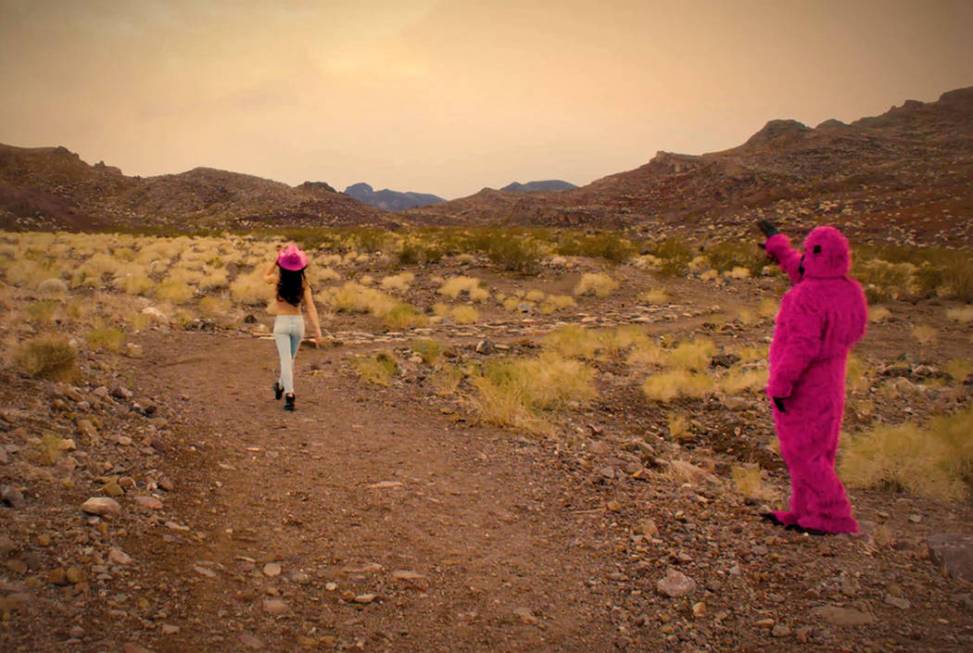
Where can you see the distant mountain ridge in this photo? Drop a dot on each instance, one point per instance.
(545, 185)
(905, 175)
(52, 188)
(391, 200)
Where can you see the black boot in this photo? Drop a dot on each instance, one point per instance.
(289, 402)
(278, 390)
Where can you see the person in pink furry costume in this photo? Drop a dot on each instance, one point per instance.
(821, 318)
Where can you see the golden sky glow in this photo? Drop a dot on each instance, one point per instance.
(448, 97)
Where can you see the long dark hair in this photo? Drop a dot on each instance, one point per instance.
(290, 286)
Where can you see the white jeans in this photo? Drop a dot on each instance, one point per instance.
(288, 333)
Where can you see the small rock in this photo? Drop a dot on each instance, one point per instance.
(112, 489)
(699, 609)
(898, 601)
(954, 553)
(204, 571)
(526, 616)
(119, 557)
(780, 630)
(148, 502)
(165, 483)
(676, 584)
(275, 606)
(648, 527)
(12, 497)
(251, 641)
(101, 506)
(485, 347)
(272, 569)
(840, 616)
(74, 575)
(411, 579)
(168, 629)
(365, 598)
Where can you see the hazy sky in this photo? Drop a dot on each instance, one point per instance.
(448, 97)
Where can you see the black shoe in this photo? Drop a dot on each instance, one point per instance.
(772, 518)
(278, 390)
(289, 402)
(807, 531)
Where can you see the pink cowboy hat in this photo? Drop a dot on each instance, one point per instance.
(292, 258)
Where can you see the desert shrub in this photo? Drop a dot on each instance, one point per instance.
(647, 354)
(471, 287)
(747, 481)
(106, 338)
(52, 286)
(934, 462)
(675, 255)
(884, 281)
(464, 314)
(738, 381)
(446, 379)
(572, 341)
(959, 369)
(174, 290)
(654, 296)
(377, 369)
(925, 334)
(515, 391)
(213, 306)
(42, 312)
(398, 282)
(48, 357)
(678, 426)
(692, 354)
(134, 282)
(428, 349)
(554, 303)
(736, 255)
(419, 252)
(404, 316)
(595, 283)
(251, 289)
(212, 278)
(512, 251)
(318, 275)
(750, 354)
(961, 314)
(674, 384)
(609, 245)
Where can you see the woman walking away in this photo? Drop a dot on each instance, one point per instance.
(821, 318)
(293, 293)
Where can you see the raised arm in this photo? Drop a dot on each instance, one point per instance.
(270, 275)
(778, 247)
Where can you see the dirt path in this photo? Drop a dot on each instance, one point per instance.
(393, 526)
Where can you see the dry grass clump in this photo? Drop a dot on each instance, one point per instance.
(428, 349)
(175, 291)
(572, 341)
(398, 282)
(884, 281)
(464, 314)
(471, 287)
(42, 312)
(404, 316)
(768, 308)
(925, 334)
(352, 297)
(647, 354)
(597, 284)
(106, 338)
(962, 314)
(748, 481)
(738, 381)
(959, 369)
(250, 289)
(555, 303)
(52, 286)
(654, 296)
(678, 426)
(738, 272)
(878, 314)
(935, 462)
(516, 391)
(446, 379)
(213, 306)
(674, 384)
(692, 354)
(377, 369)
(48, 357)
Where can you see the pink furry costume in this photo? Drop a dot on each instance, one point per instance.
(821, 317)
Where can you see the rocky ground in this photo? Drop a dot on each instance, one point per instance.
(167, 503)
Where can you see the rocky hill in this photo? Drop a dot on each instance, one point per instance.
(907, 174)
(391, 200)
(538, 186)
(52, 188)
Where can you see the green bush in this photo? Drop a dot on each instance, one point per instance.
(609, 245)
(732, 254)
(676, 255)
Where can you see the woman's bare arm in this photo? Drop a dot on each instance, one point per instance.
(312, 311)
(270, 276)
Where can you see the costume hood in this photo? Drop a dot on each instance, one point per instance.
(826, 253)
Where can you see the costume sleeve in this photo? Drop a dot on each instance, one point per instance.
(803, 325)
(779, 248)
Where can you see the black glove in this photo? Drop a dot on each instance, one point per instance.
(767, 227)
(779, 402)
